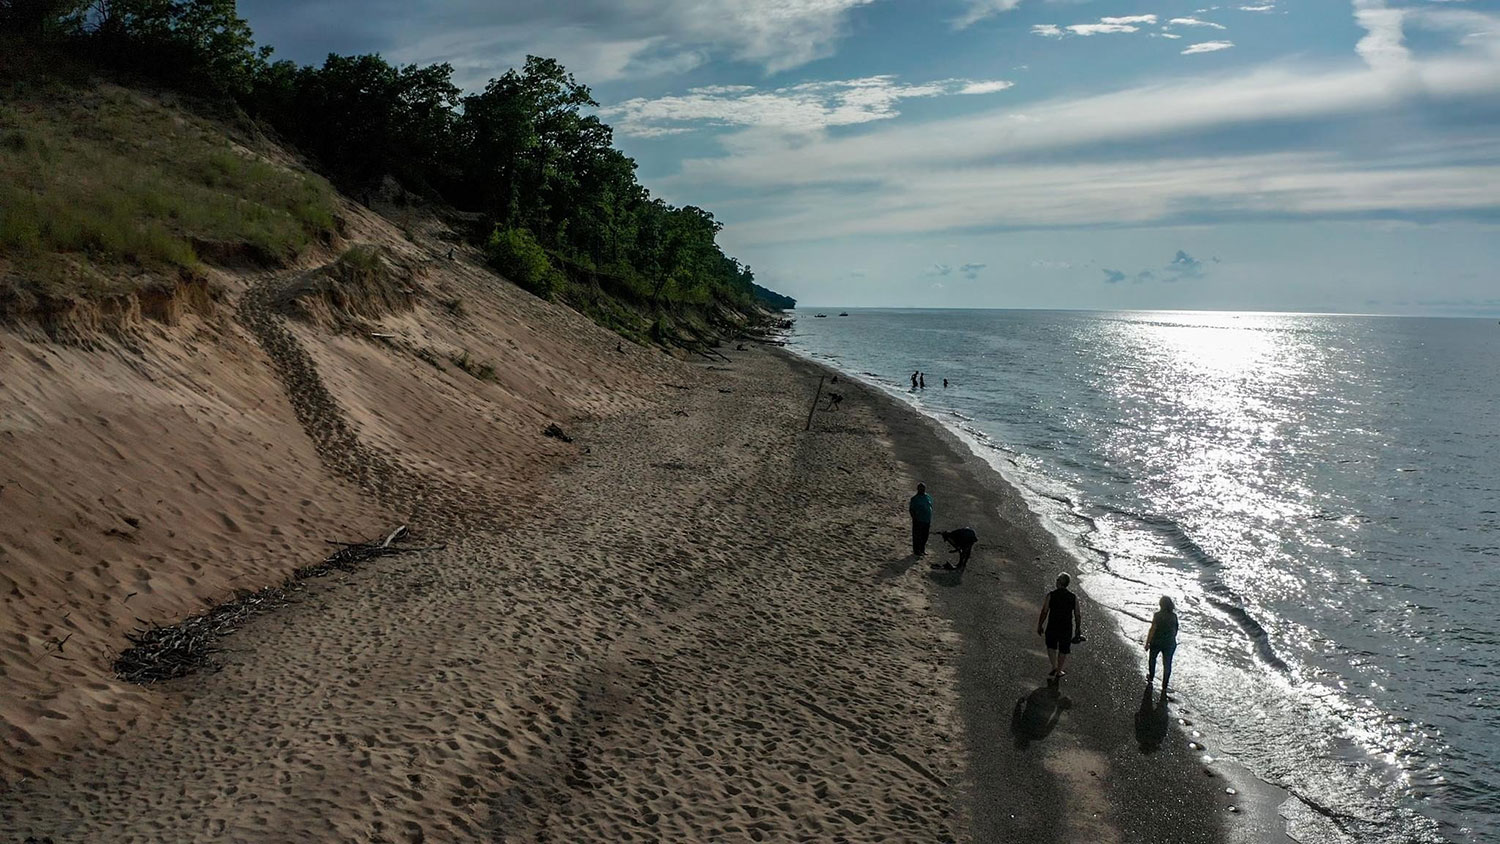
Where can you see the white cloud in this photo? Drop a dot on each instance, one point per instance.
(1101, 28)
(1171, 35)
(601, 40)
(1383, 48)
(1207, 47)
(1195, 22)
(1105, 26)
(1268, 7)
(798, 109)
(986, 87)
(982, 170)
(981, 9)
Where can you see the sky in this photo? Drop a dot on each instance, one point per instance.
(1334, 155)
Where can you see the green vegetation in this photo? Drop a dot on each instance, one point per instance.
(564, 216)
(130, 185)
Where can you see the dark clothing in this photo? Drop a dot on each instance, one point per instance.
(919, 531)
(1166, 663)
(963, 541)
(1060, 642)
(1060, 606)
(920, 507)
(1164, 630)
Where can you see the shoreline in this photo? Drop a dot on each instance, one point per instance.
(935, 450)
(703, 625)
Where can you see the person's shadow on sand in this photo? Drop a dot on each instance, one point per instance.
(946, 577)
(1037, 713)
(1151, 722)
(896, 568)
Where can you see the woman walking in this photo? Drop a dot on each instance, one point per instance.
(1162, 639)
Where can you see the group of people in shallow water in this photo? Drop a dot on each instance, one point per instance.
(919, 381)
(1060, 623)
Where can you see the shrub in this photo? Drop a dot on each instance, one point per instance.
(516, 254)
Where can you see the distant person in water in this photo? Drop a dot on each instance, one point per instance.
(1060, 623)
(922, 380)
(945, 383)
(1162, 639)
(962, 541)
(914, 375)
(920, 508)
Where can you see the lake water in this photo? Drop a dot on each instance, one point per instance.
(1318, 493)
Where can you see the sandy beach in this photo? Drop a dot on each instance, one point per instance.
(703, 624)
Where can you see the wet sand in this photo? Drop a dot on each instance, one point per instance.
(704, 626)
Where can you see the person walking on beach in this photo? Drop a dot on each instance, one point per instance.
(1162, 639)
(1060, 623)
(963, 541)
(920, 508)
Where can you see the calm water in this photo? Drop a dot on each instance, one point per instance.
(1320, 495)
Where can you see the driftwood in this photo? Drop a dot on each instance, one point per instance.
(162, 653)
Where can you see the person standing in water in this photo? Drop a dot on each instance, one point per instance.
(1162, 639)
(914, 375)
(922, 380)
(945, 383)
(1060, 623)
(920, 508)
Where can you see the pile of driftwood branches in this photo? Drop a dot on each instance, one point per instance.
(162, 653)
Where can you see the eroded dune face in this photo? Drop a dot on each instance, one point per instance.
(154, 469)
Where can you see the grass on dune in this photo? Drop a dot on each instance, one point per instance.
(102, 186)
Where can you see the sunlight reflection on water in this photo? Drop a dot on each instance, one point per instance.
(1315, 490)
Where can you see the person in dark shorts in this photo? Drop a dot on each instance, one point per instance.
(1162, 639)
(963, 541)
(920, 508)
(1060, 623)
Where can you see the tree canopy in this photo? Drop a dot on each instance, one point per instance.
(525, 152)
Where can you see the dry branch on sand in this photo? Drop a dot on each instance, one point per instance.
(163, 653)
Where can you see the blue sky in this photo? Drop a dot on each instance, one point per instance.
(1263, 155)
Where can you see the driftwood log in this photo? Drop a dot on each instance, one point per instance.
(162, 653)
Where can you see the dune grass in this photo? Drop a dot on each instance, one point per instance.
(102, 188)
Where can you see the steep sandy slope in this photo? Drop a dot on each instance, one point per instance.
(198, 448)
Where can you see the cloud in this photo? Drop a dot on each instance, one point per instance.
(981, 9)
(1207, 47)
(1182, 266)
(1383, 48)
(1268, 7)
(798, 109)
(940, 270)
(1151, 153)
(597, 39)
(971, 271)
(1101, 28)
(1195, 22)
(1127, 23)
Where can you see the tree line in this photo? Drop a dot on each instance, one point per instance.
(561, 203)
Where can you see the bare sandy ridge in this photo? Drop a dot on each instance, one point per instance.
(148, 473)
(695, 639)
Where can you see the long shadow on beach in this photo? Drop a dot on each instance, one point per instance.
(1151, 722)
(896, 568)
(1037, 713)
(946, 577)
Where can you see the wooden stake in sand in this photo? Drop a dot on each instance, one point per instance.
(814, 408)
